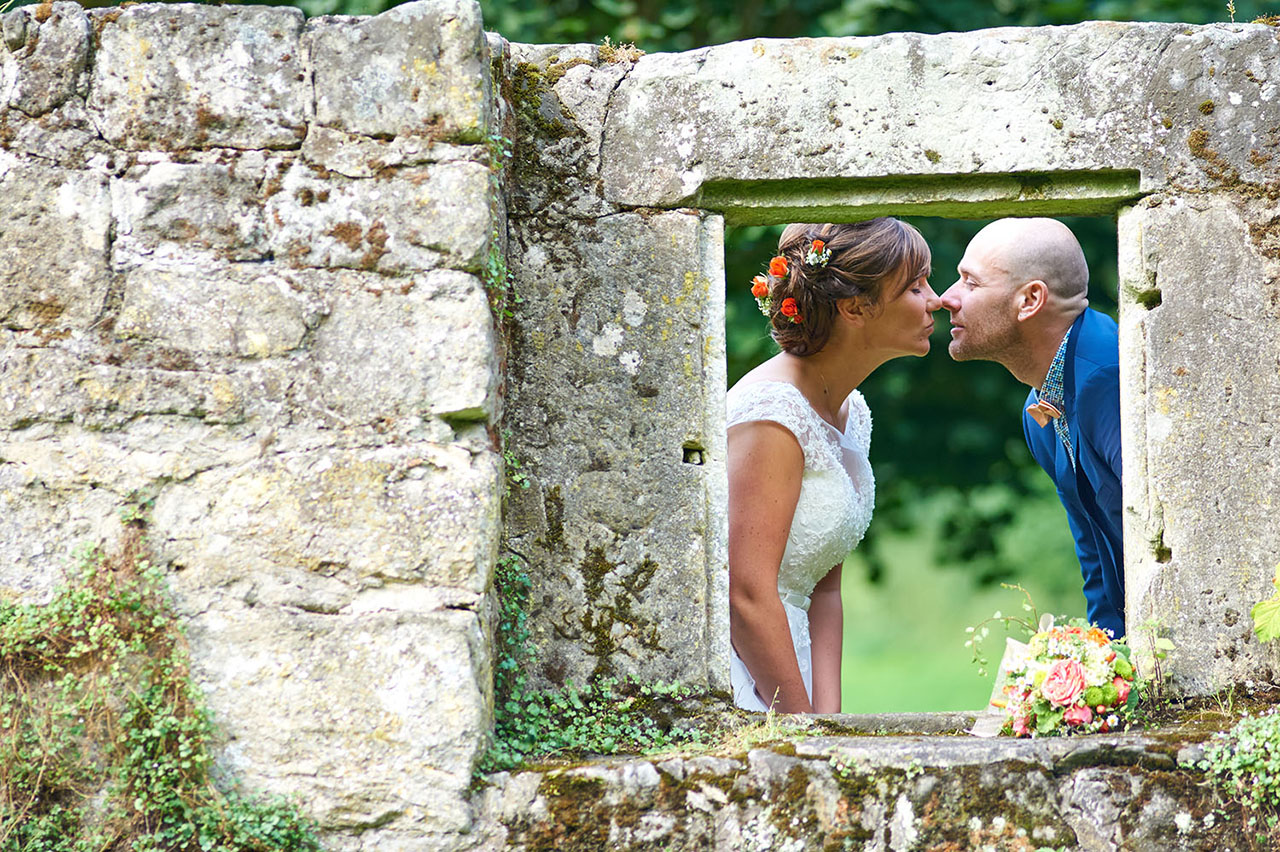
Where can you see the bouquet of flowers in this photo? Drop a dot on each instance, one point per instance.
(1066, 680)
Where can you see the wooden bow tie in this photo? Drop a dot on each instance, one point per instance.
(1042, 412)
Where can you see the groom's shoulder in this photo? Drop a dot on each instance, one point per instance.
(1099, 326)
(1099, 346)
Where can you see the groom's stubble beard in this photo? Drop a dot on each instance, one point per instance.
(1002, 345)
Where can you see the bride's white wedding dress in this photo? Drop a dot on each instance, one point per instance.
(837, 494)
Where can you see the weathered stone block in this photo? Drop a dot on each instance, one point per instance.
(211, 308)
(367, 518)
(42, 524)
(612, 379)
(1200, 393)
(372, 720)
(49, 56)
(54, 237)
(64, 136)
(356, 156)
(169, 208)
(766, 115)
(422, 218)
(419, 69)
(424, 346)
(62, 486)
(560, 96)
(188, 76)
(72, 385)
(153, 452)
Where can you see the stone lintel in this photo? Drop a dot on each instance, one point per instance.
(1073, 193)
(1155, 98)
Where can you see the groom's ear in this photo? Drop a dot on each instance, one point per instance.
(1031, 299)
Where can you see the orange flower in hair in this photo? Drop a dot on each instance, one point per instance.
(778, 267)
(759, 287)
(818, 246)
(790, 309)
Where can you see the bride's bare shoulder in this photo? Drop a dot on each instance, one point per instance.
(770, 371)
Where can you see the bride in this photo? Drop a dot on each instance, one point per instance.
(841, 300)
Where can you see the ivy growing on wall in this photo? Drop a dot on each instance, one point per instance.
(607, 715)
(104, 743)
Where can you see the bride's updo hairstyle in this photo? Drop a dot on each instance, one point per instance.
(869, 261)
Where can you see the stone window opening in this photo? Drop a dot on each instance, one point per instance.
(999, 534)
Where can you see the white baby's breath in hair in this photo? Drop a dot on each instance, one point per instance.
(818, 254)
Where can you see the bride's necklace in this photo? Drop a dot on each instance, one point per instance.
(826, 394)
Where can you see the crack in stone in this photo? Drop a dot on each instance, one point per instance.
(604, 120)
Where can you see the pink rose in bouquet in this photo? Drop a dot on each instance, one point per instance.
(1122, 688)
(1080, 715)
(1064, 682)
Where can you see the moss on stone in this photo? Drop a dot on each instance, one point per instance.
(1198, 143)
(553, 505)
(624, 52)
(792, 812)
(529, 85)
(602, 614)
(574, 826)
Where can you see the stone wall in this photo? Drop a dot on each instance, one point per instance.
(239, 277)
(243, 274)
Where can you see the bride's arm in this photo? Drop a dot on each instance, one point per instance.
(826, 632)
(765, 467)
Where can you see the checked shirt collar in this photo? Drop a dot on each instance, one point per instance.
(1051, 392)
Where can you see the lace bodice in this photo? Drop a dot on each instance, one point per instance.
(837, 490)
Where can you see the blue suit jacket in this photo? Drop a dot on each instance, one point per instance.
(1090, 493)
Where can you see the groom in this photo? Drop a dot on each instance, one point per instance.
(1022, 301)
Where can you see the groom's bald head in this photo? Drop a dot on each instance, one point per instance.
(1037, 250)
(1022, 283)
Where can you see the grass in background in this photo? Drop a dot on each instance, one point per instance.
(904, 635)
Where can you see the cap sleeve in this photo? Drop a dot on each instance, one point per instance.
(858, 423)
(781, 403)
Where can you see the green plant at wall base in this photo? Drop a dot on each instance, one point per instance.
(104, 744)
(1266, 614)
(605, 716)
(1244, 763)
(511, 586)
